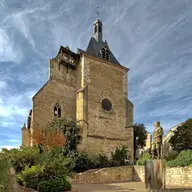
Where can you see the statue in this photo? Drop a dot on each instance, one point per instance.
(157, 140)
(155, 169)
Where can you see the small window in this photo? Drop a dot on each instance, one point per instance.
(57, 111)
(100, 28)
(95, 29)
(106, 105)
(105, 53)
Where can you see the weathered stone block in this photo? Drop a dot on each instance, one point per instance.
(155, 171)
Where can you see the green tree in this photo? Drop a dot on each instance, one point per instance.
(70, 130)
(140, 136)
(182, 138)
(4, 170)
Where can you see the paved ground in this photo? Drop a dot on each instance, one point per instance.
(122, 187)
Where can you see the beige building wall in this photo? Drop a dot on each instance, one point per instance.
(60, 88)
(79, 93)
(105, 130)
(25, 136)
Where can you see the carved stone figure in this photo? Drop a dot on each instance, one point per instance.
(157, 140)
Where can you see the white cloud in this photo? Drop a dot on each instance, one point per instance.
(13, 140)
(7, 51)
(37, 70)
(22, 20)
(13, 106)
(2, 85)
(7, 123)
(2, 3)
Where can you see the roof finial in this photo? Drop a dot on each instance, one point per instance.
(97, 12)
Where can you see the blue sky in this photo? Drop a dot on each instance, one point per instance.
(152, 38)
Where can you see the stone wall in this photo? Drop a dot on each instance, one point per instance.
(26, 137)
(106, 129)
(105, 175)
(181, 176)
(139, 173)
(60, 89)
(177, 176)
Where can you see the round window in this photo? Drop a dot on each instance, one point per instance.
(106, 105)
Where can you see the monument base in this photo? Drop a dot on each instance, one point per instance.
(155, 174)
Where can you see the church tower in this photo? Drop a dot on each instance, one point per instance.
(103, 108)
(97, 31)
(89, 86)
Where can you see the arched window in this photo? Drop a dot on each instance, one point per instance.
(95, 29)
(100, 28)
(57, 110)
(105, 53)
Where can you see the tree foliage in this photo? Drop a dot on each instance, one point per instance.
(182, 138)
(4, 169)
(49, 138)
(58, 133)
(140, 136)
(70, 130)
(183, 159)
(143, 158)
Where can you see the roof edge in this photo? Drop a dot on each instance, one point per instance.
(41, 89)
(106, 61)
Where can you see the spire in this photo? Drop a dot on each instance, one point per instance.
(97, 29)
(96, 46)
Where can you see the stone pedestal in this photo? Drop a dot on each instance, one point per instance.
(155, 174)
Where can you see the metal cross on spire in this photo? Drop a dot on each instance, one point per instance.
(97, 12)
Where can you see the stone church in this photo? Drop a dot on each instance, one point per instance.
(91, 87)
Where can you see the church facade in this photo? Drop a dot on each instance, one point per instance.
(91, 87)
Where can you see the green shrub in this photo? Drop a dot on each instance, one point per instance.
(31, 177)
(171, 155)
(4, 171)
(120, 156)
(57, 151)
(49, 168)
(83, 162)
(143, 158)
(183, 159)
(190, 166)
(67, 185)
(54, 185)
(102, 161)
(57, 167)
(26, 156)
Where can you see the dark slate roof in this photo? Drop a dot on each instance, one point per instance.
(94, 48)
